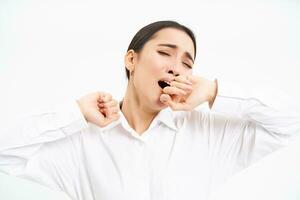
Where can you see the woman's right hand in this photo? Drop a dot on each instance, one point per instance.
(99, 108)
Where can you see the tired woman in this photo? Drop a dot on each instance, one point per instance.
(154, 144)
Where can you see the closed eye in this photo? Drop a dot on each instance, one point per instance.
(163, 53)
(189, 66)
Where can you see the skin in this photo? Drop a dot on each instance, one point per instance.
(168, 55)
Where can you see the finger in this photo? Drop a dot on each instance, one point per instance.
(107, 98)
(164, 98)
(104, 97)
(183, 79)
(101, 95)
(183, 86)
(174, 91)
(110, 104)
(110, 110)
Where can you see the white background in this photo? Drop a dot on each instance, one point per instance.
(52, 51)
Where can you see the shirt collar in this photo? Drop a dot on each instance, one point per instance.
(165, 116)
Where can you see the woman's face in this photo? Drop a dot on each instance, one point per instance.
(169, 53)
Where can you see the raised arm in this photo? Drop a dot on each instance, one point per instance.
(239, 130)
(24, 138)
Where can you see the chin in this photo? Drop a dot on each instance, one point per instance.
(156, 104)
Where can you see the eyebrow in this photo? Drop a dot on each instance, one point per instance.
(173, 46)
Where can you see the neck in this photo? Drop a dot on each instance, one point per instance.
(138, 116)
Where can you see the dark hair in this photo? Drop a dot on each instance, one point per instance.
(146, 33)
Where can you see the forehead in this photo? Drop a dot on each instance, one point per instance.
(173, 36)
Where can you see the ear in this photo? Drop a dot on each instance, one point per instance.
(130, 59)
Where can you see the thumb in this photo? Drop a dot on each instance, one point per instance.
(97, 118)
(165, 98)
(113, 117)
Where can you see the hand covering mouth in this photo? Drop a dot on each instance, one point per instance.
(163, 84)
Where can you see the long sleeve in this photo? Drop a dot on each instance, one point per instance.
(244, 130)
(270, 127)
(24, 139)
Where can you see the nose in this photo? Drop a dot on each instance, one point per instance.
(173, 72)
(174, 69)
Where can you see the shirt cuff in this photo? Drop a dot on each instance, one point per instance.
(69, 117)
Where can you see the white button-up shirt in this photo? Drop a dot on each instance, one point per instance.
(182, 155)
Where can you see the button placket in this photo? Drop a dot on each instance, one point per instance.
(141, 179)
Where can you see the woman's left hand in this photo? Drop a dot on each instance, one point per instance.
(187, 92)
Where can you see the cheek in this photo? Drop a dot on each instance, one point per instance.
(154, 65)
(188, 72)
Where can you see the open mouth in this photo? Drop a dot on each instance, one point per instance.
(163, 84)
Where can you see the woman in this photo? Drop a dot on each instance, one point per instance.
(93, 150)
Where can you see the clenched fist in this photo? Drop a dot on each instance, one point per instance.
(188, 92)
(99, 108)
